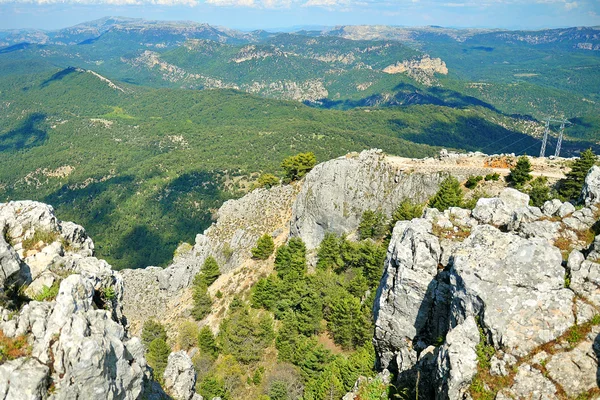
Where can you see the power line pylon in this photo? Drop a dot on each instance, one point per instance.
(545, 140)
(563, 122)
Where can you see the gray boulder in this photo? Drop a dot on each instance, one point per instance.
(591, 187)
(499, 211)
(519, 282)
(550, 207)
(565, 209)
(89, 353)
(180, 376)
(23, 378)
(10, 263)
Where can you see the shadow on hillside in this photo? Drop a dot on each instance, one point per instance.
(96, 201)
(189, 199)
(15, 47)
(58, 76)
(143, 246)
(27, 135)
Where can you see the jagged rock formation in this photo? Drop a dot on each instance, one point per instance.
(180, 377)
(497, 272)
(78, 344)
(422, 70)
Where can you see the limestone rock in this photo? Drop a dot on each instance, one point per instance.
(335, 194)
(575, 370)
(405, 294)
(23, 378)
(520, 282)
(89, 353)
(529, 384)
(585, 281)
(180, 376)
(10, 264)
(565, 209)
(591, 187)
(499, 211)
(457, 361)
(550, 207)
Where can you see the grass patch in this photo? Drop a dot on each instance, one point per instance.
(48, 293)
(39, 235)
(12, 348)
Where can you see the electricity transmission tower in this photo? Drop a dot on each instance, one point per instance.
(563, 122)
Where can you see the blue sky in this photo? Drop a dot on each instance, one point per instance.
(270, 14)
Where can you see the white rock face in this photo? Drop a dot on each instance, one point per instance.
(499, 211)
(180, 376)
(591, 188)
(404, 297)
(457, 361)
(78, 342)
(336, 193)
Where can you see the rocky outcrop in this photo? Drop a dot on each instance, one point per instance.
(336, 193)
(591, 187)
(78, 344)
(422, 70)
(491, 276)
(180, 377)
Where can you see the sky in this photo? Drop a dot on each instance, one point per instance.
(280, 14)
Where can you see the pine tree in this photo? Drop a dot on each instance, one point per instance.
(202, 302)
(267, 181)
(297, 166)
(157, 356)
(449, 195)
(406, 211)
(207, 343)
(371, 225)
(330, 252)
(290, 259)
(570, 187)
(151, 330)
(264, 247)
(521, 173)
(208, 273)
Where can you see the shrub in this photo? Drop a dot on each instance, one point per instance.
(264, 247)
(151, 330)
(492, 177)
(539, 192)
(157, 356)
(521, 173)
(372, 225)
(267, 181)
(188, 335)
(297, 166)
(570, 187)
(40, 235)
(406, 211)
(47, 293)
(449, 195)
(210, 387)
(472, 181)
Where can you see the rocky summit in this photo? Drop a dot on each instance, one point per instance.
(503, 298)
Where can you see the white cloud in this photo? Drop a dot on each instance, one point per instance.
(570, 6)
